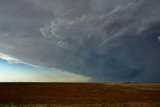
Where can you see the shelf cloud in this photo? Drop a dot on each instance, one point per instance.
(9, 58)
(107, 40)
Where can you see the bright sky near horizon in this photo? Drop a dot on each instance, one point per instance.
(14, 70)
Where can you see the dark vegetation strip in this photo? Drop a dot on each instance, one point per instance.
(78, 93)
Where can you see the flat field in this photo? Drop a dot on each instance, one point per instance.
(79, 93)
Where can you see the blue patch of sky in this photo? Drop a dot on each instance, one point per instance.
(21, 72)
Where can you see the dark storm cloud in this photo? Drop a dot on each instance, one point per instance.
(109, 40)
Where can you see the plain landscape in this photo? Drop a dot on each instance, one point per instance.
(80, 94)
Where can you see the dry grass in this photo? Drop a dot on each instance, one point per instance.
(83, 105)
(81, 94)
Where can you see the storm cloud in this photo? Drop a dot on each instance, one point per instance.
(108, 40)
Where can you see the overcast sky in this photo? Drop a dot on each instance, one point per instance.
(105, 40)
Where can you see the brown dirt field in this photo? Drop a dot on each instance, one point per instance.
(79, 93)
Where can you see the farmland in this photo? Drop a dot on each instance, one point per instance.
(79, 93)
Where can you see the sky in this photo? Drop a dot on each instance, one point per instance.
(80, 40)
(14, 70)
